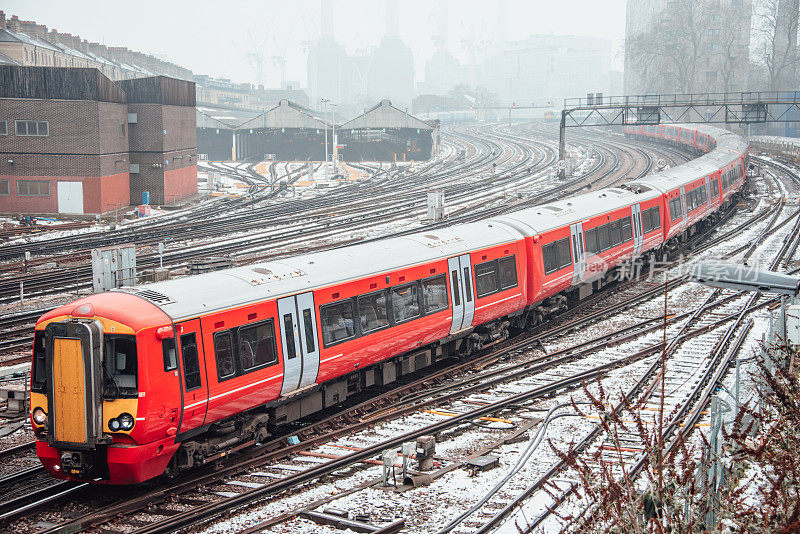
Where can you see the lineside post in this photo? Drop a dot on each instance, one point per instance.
(562, 140)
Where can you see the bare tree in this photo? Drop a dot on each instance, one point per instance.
(732, 46)
(691, 46)
(776, 30)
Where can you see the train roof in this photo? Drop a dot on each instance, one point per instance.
(557, 214)
(125, 309)
(729, 148)
(193, 296)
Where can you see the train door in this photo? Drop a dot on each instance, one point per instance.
(193, 369)
(638, 234)
(683, 206)
(298, 325)
(578, 252)
(708, 195)
(463, 297)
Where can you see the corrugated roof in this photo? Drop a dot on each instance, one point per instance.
(287, 114)
(385, 115)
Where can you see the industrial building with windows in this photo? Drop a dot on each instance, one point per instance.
(74, 142)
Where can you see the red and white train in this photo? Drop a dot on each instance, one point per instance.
(136, 382)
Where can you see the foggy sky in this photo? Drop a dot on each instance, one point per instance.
(213, 37)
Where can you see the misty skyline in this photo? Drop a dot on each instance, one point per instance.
(214, 38)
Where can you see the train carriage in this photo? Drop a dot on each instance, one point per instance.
(234, 352)
(787, 148)
(573, 242)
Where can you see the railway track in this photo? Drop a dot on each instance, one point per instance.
(690, 372)
(173, 519)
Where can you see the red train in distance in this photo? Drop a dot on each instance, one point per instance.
(138, 382)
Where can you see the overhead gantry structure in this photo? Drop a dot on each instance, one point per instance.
(706, 108)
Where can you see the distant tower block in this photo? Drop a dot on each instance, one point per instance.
(435, 205)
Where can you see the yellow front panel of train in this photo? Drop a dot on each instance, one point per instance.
(69, 400)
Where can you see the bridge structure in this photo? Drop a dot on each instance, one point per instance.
(707, 108)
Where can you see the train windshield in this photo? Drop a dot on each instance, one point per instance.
(119, 366)
(38, 369)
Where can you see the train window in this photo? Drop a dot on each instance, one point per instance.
(675, 208)
(191, 364)
(556, 255)
(374, 311)
(714, 188)
(169, 352)
(257, 345)
(38, 369)
(655, 217)
(591, 241)
(405, 303)
(288, 331)
(486, 281)
(467, 284)
(120, 365)
(645, 218)
(626, 229)
(616, 233)
(603, 238)
(223, 348)
(337, 322)
(507, 268)
(456, 291)
(308, 323)
(647, 221)
(434, 294)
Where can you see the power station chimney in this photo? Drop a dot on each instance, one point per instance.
(392, 19)
(326, 7)
(441, 39)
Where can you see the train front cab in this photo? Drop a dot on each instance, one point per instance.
(91, 417)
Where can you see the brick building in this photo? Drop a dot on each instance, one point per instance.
(70, 137)
(163, 138)
(63, 141)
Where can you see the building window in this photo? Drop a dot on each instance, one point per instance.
(4, 189)
(33, 188)
(3, 128)
(32, 128)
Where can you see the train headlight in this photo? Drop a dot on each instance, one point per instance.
(113, 425)
(125, 421)
(39, 417)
